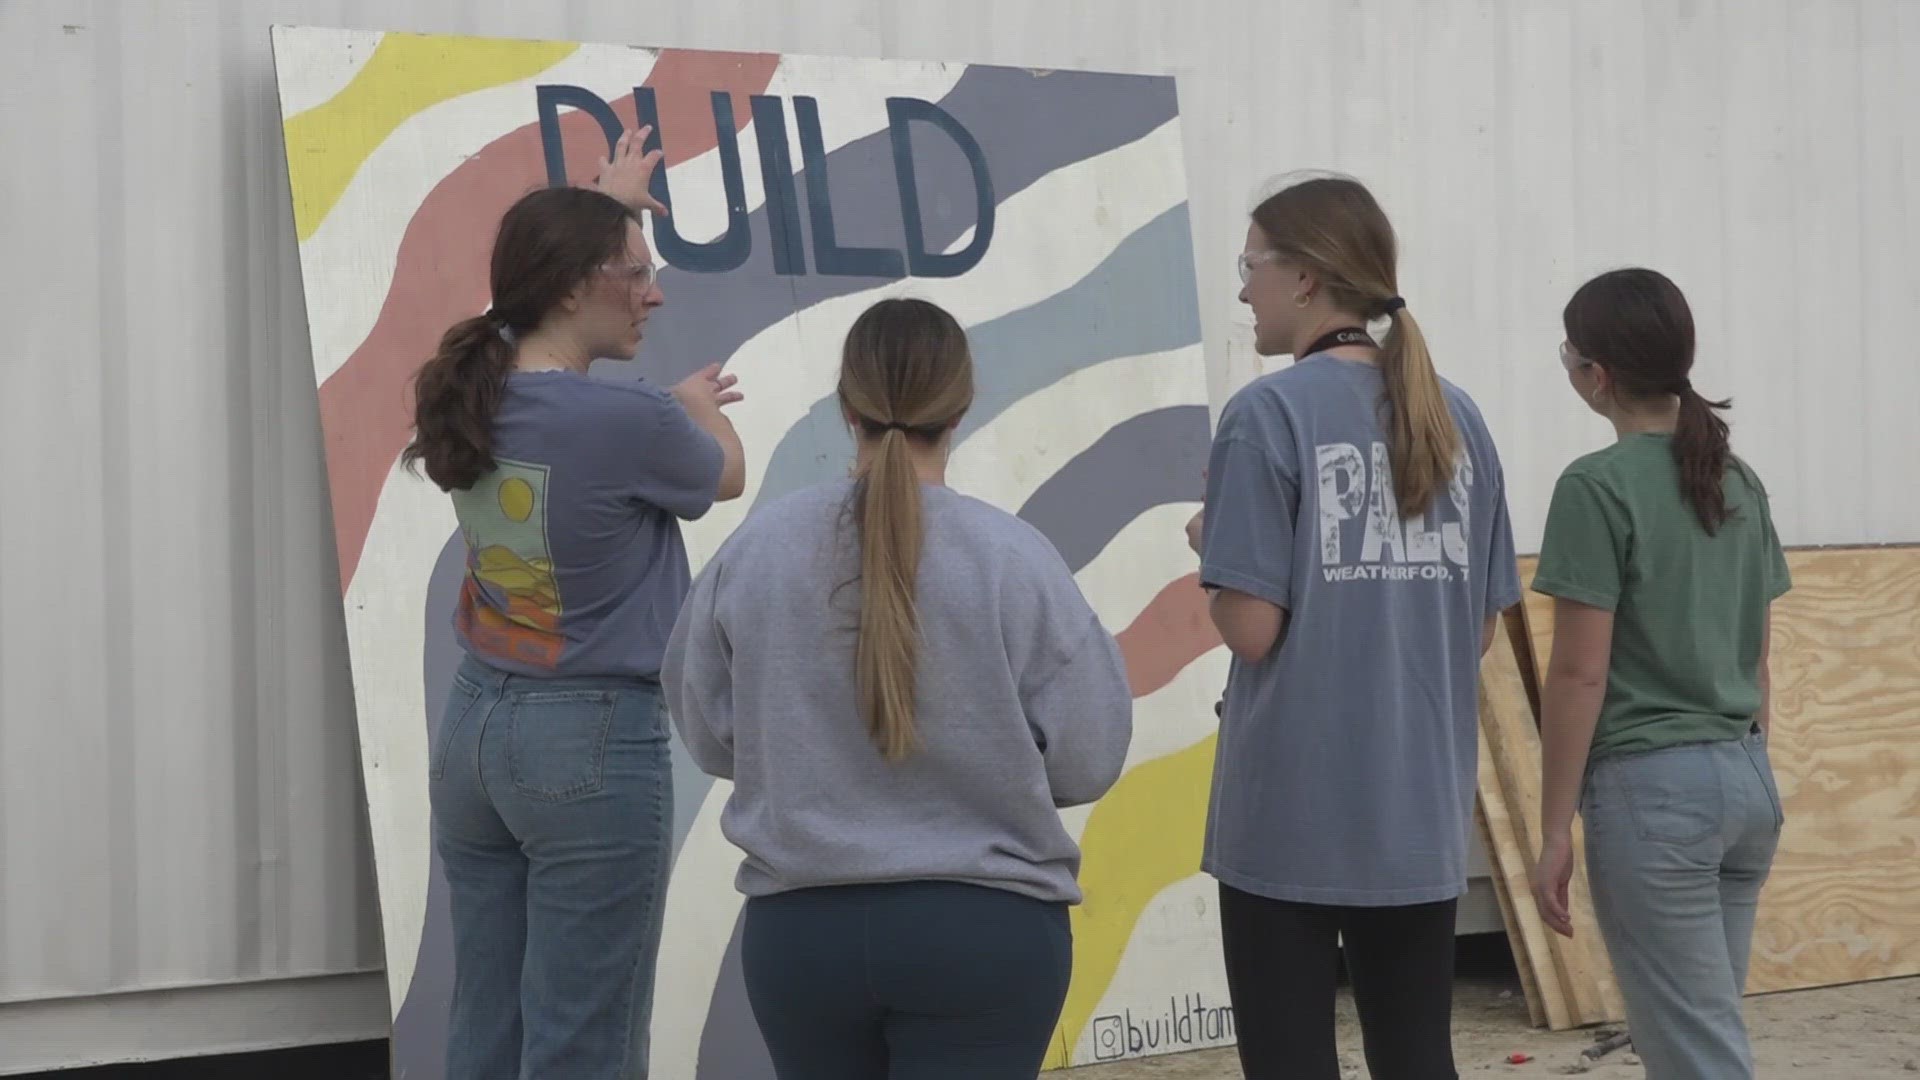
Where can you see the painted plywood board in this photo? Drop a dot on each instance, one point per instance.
(1050, 208)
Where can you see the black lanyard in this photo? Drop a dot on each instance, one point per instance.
(1346, 335)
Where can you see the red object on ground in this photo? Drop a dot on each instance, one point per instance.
(1519, 1059)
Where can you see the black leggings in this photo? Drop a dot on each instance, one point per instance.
(913, 981)
(1283, 966)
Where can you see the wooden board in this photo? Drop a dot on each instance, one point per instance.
(1526, 934)
(1522, 954)
(395, 202)
(1572, 976)
(1843, 902)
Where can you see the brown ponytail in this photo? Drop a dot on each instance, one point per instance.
(456, 395)
(1702, 448)
(549, 242)
(906, 377)
(1332, 225)
(1636, 324)
(887, 512)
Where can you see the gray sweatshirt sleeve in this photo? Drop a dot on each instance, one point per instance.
(1070, 677)
(1081, 713)
(697, 676)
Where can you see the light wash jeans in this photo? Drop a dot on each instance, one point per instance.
(552, 805)
(1679, 842)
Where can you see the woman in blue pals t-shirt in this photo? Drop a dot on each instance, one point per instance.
(1355, 537)
(549, 773)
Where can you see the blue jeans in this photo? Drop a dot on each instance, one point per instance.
(1679, 843)
(552, 807)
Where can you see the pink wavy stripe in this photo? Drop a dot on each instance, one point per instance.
(1172, 631)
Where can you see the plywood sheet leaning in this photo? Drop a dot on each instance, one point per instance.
(1840, 905)
(1571, 977)
(1046, 209)
(1527, 937)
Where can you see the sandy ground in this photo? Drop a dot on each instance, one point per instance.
(1869, 1031)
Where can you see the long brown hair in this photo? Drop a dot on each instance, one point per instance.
(1332, 226)
(549, 242)
(1636, 323)
(906, 376)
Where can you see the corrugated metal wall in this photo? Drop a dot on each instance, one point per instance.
(179, 801)
(180, 794)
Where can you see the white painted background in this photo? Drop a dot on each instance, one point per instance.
(179, 802)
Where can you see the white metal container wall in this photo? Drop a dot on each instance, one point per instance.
(179, 801)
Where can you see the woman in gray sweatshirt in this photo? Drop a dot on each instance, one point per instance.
(904, 685)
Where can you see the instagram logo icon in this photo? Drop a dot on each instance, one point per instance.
(1109, 1038)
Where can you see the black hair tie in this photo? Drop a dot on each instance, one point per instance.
(1392, 305)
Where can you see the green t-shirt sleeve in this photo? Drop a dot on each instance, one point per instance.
(1584, 552)
(1779, 578)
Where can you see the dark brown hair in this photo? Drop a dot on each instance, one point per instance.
(1332, 226)
(1635, 323)
(905, 375)
(549, 242)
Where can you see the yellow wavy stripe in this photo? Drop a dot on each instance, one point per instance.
(406, 74)
(1142, 838)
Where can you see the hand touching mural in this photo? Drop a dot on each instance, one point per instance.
(627, 174)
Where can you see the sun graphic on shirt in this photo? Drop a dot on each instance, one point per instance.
(516, 498)
(510, 605)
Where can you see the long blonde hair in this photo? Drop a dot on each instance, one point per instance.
(906, 376)
(1332, 226)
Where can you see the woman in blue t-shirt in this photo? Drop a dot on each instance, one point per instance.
(549, 773)
(1662, 560)
(1355, 536)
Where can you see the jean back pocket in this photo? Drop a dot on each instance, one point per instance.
(1674, 796)
(557, 742)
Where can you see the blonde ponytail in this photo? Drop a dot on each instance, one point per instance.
(1422, 440)
(887, 516)
(906, 379)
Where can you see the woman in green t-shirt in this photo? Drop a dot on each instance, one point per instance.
(1661, 556)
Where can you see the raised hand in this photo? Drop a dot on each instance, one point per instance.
(627, 174)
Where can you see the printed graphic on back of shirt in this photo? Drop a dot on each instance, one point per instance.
(510, 602)
(1362, 536)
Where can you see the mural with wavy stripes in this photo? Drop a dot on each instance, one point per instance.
(1046, 209)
